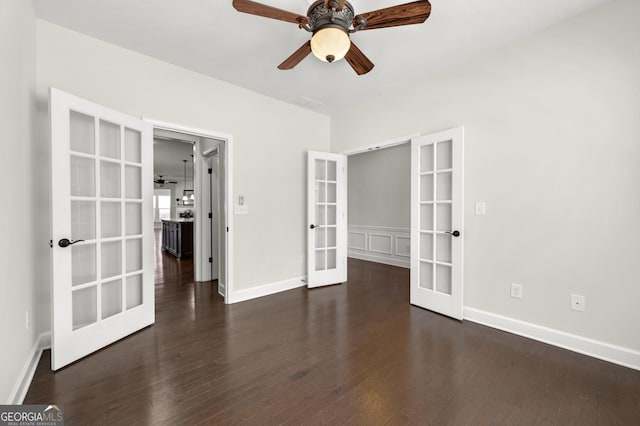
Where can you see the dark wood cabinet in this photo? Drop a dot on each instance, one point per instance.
(177, 238)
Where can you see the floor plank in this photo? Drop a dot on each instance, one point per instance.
(351, 354)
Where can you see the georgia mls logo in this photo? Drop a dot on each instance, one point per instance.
(31, 415)
(54, 409)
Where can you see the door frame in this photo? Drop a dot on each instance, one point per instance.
(227, 140)
(211, 215)
(382, 145)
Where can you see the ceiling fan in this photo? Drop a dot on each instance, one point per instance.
(160, 181)
(331, 22)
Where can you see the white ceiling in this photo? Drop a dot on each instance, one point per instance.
(210, 37)
(168, 156)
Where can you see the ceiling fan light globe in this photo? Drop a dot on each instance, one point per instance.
(330, 44)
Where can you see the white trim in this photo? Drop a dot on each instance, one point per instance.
(165, 125)
(402, 263)
(381, 228)
(389, 257)
(583, 345)
(265, 290)
(227, 139)
(29, 369)
(381, 145)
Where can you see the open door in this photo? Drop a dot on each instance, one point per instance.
(101, 227)
(436, 222)
(327, 219)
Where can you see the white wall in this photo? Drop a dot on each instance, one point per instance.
(378, 187)
(552, 144)
(269, 151)
(17, 85)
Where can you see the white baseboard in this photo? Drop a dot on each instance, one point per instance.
(594, 348)
(29, 368)
(387, 261)
(265, 290)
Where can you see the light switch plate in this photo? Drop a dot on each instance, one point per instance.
(481, 208)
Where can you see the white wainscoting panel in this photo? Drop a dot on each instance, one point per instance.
(357, 240)
(403, 247)
(381, 243)
(390, 246)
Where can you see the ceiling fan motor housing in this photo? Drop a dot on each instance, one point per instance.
(320, 16)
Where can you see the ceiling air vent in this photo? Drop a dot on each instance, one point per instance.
(308, 103)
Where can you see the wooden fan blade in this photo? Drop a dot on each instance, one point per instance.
(296, 57)
(403, 14)
(358, 61)
(254, 8)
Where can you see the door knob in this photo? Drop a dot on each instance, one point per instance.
(65, 242)
(454, 233)
(312, 226)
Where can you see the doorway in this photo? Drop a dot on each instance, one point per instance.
(379, 205)
(433, 243)
(174, 200)
(207, 201)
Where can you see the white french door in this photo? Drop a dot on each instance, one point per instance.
(327, 223)
(437, 221)
(101, 226)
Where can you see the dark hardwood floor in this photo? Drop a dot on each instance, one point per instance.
(347, 354)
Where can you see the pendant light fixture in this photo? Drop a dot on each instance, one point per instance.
(185, 197)
(192, 197)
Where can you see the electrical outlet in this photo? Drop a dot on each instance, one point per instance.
(241, 209)
(578, 303)
(516, 290)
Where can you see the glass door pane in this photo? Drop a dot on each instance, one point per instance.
(426, 225)
(84, 304)
(134, 291)
(109, 140)
(83, 176)
(82, 133)
(111, 298)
